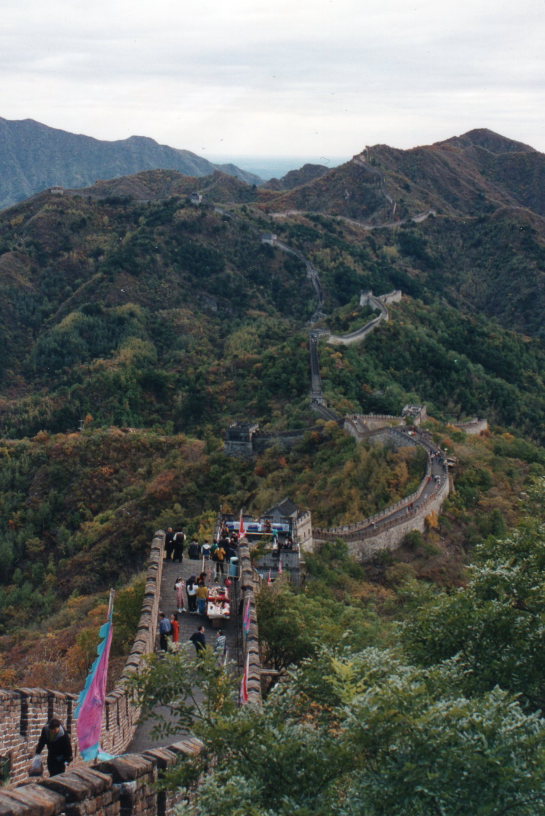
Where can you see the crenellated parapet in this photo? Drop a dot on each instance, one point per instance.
(385, 530)
(125, 785)
(249, 586)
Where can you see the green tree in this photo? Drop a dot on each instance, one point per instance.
(495, 626)
(350, 735)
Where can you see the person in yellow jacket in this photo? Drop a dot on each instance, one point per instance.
(219, 558)
(202, 598)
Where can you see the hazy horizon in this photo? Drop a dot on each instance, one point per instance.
(271, 166)
(243, 78)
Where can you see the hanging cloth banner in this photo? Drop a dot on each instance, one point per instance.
(246, 619)
(241, 528)
(91, 700)
(244, 696)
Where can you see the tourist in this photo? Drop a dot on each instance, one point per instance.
(219, 559)
(220, 648)
(191, 590)
(59, 749)
(175, 629)
(179, 540)
(206, 550)
(199, 641)
(169, 543)
(230, 551)
(165, 629)
(202, 598)
(179, 587)
(193, 550)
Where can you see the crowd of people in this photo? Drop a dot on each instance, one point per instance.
(221, 551)
(192, 595)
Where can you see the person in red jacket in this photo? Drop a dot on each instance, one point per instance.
(175, 627)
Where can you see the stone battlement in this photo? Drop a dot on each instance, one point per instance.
(125, 785)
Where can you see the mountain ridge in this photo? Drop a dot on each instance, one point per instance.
(34, 156)
(458, 177)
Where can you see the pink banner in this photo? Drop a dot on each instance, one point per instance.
(91, 701)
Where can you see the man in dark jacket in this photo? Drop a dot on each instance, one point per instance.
(165, 629)
(59, 749)
(198, 640)
(179, 543)
(169, 543)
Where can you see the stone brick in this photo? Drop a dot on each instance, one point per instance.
(31, 800)
(126, 768)
(95, 781)
(190, 746)
(70, 785)
(161, 757)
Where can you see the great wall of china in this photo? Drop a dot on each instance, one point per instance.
(127, 784)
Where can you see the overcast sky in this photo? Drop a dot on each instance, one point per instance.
(320, 78)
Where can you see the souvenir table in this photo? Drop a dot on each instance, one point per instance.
(218, 607)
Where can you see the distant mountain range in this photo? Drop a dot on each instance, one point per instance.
(461, 220)
(467, 175)
(34, 157)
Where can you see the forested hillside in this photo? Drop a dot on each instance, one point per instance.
(136, 326)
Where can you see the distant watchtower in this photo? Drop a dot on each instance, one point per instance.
(417, 413)
(240, 439)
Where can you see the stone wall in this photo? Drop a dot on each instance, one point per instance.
(303, 531)
(473, 427)
(364, 543)
(392, 297)
(359, 425)
(391, 536)
(380, 532)
(125, 786)
(249, 586)
(360, 334)
(24, 711)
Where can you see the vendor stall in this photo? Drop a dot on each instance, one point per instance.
(218, 608)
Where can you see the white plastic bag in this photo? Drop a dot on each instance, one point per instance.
(36, 768)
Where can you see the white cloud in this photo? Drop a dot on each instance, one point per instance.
(320, 77)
